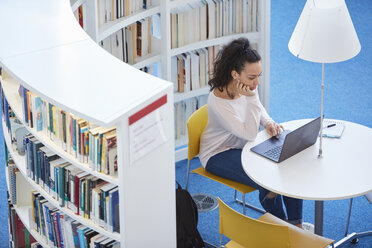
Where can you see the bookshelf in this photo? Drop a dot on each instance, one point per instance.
(163, 53)
(62, 64)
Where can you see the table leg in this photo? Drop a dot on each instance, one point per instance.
(319, 205)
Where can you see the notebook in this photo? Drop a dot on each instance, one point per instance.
(289, 142)
(334, 131)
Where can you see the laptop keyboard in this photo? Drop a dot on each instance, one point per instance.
(274, 152)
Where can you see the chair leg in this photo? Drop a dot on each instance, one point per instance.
(211, 245)
(243, 197)
(249, 205)
(348, 217)
(188, 173)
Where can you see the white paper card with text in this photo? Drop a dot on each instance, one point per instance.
(147, 129)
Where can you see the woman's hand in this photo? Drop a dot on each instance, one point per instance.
(244, 89)
(274, 129)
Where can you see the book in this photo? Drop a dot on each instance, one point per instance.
(104, 197)
(194, 71)
(117, 45)
(74, 225)
(29, 239)
(110, 152)
(80, 230)
(69, 238)
(94, 239)
(335, 131)
(18, 236)
(180, 74)
(47, 208)
(114, 211)
(59, 217)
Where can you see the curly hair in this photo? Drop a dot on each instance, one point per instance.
(232, 57)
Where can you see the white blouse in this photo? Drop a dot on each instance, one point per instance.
(231, 123)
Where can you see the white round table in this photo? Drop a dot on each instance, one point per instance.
(344, 171)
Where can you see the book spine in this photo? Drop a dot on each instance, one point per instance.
(61, 186)
(77, 195)
(60, 231)
(56, 229)
(48, 224)
(81, 236)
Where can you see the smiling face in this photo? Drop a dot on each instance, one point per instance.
(250, 74)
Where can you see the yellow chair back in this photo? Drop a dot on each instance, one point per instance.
(195, 127)
(248, 232)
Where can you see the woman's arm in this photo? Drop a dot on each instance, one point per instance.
(271, 126)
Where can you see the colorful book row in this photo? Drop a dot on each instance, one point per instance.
(192, 70)
(131, 42)
(88, 143)
(85, 194)
(111, 10)
(62, 231)
(208, 19)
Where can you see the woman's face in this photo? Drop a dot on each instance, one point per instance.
(250, 75)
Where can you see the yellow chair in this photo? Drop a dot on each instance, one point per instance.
(195, 127)
(266, 232)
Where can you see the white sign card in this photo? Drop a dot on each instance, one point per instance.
(147, 129)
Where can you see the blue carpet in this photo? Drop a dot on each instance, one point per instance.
(295, 93)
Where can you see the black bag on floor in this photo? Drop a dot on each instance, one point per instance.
(188, 235)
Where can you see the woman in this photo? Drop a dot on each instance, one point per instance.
(234, 116)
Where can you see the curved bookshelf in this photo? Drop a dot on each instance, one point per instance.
(10, 87)
(111, 27)
(20, 161)
(253, 38)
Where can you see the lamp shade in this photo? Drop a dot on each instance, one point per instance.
(324, 33)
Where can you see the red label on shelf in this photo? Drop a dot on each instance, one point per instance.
(148, 109)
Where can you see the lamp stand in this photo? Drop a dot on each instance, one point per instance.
(320, 155)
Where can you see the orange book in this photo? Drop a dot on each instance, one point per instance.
(149, 35)
(180, 74)
(133, 28)
(81, 16)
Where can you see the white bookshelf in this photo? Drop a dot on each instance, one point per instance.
(253, 38)
(20, 161)
(164, 52)
(178, 97)
(63, 65)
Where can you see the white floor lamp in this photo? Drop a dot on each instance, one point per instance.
(324, 34)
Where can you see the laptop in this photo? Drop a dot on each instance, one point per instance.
(289, 143)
